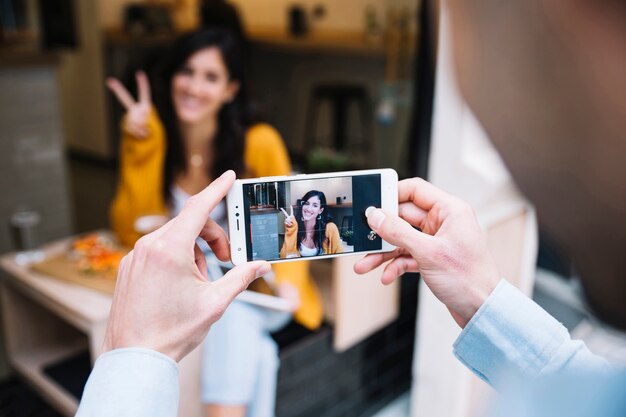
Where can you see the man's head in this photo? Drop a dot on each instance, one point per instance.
(547, 79)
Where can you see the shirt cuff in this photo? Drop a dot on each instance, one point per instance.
(510, 334)
(131, 382)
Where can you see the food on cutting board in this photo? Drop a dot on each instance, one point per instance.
(96, 254)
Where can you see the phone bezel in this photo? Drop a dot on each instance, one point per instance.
(235, 208)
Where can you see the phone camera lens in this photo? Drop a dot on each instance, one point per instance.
(237, 214)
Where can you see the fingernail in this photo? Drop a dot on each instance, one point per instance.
(376, 218)
(369, 210)
(263, 270)
(228, 173)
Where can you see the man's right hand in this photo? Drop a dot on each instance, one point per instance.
(450, 252)
(163, 298)
(137, 111)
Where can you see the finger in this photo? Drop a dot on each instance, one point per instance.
(422, 193)
(291, 211)
(201, 262)
(121, 93)
(397, 231)
(144, 87)
(414, 215)
(193, 217)
(398, 267)
(284, 212)
(374, 260)
(237, 279)
(215, 236)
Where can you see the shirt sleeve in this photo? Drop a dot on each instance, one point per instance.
(131, 382)
(510, 335)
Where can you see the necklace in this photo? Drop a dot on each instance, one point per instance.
(196, 160)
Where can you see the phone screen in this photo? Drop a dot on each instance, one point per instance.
(310, 217)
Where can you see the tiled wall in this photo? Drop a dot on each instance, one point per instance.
(315, 381)
(32, 166)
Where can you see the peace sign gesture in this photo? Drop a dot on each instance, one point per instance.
(137, 111)
(289, 218)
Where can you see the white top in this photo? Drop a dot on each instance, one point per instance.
(306, 251)
(179, 197)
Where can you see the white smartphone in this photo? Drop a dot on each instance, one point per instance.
(288, 218)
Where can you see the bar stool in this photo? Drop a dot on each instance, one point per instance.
(340, 96)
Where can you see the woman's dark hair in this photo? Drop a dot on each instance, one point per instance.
(320, 224)
(233, 120)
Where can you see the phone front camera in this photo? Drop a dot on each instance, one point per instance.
(237, 214)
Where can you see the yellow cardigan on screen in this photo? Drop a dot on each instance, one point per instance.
(140, 193)
(331, 244)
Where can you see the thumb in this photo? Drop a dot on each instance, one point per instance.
(237, 279)
(397, 231)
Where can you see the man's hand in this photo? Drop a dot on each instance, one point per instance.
(163, 299)
(450, 252)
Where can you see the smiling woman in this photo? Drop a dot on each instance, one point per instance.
(314, 233)
(199, 127)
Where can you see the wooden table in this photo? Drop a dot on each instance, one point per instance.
(46, 320)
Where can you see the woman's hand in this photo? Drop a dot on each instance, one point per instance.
(450, 252)
(137, 112)
(290, 220)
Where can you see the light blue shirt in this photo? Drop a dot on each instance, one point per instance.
(508, 336)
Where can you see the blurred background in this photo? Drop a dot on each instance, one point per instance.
(349, 84)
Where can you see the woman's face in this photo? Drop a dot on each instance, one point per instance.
(312, 208)
(202, 86)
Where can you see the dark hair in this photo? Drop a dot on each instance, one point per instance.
(220, 14)
(324, 218)
(233, 119)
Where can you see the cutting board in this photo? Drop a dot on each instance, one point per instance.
(63, 268)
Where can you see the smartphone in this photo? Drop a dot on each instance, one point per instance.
(288, 218)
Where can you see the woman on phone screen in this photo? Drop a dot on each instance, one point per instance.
(198, 127)
(313, 233)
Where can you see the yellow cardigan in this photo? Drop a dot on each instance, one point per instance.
(140, 192)
(332, 243)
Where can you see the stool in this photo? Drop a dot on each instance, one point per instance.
(340, 96)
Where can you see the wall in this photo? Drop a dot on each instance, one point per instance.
(332, 188)
(32, 168)
(81, 82)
